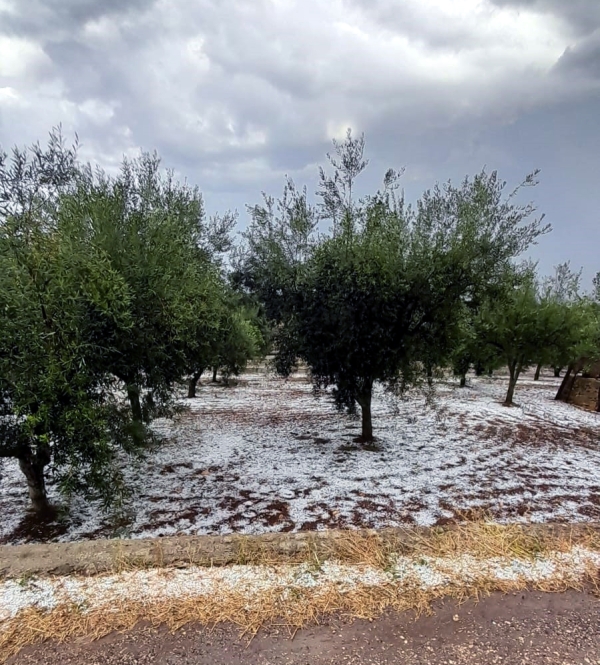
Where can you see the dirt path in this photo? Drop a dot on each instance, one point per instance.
(523, 628)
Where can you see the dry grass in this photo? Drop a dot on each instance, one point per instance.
(276, 607)
(483, 538)
(294, 606)
(480, 537)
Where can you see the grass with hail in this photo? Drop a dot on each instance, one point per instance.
(355, 574)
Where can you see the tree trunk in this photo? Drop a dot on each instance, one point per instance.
(463, 381)
(367, 422)
(364, 401)
(512, 383)
(193, 383)
(214, 377)
(565, 390)
(514, 370)
(133, 393)
(33, 470)
(538, 369)
(557, 371)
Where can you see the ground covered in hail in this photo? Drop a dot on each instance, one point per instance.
(268, 455)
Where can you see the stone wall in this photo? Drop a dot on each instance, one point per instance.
(592, 371)
(585, 393)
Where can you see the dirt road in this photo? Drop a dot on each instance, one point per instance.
(523, 628)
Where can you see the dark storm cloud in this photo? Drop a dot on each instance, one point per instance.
(582, 58)
(582, 14)
(273, 80)
(234, 94)
(45, 19)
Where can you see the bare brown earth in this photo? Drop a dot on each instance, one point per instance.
(533, 628)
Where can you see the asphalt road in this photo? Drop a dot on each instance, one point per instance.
(532, 628)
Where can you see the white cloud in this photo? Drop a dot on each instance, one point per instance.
(235, 77)
(236, 93)
(9, 97)
(20, 58)
(97, 111)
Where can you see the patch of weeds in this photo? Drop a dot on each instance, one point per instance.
(26, 580)
(315, 565)
(292, 593)
(389, 566)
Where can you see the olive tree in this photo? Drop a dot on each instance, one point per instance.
(106, 287)
(379, 298)
(585, 349)
(471, 350)
(153, 231)
(562, 288)
(232, 339)
(57, 299)
(524, 327)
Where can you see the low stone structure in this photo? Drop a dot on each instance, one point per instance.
(585, 392)
(583, 389)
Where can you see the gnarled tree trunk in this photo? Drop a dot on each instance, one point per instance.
(32, 465)
(193, 383)
(538, 370)
(214, 376)
(463, 381)
(557, 371)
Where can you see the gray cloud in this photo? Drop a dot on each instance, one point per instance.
(583, 58)
(582, 14)
(235, 94)
(48, 19)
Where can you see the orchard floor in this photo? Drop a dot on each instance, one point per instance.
(267, 455)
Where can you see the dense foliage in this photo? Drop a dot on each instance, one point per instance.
(116, 290)
(381, 297)
(524, 329)
(109, 287)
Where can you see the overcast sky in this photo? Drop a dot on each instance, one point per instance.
(236, 93)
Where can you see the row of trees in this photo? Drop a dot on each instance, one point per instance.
(115, 290)
(112, 291)
(394, 293)
(531, 324)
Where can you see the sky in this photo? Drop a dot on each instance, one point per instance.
(236, 94)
